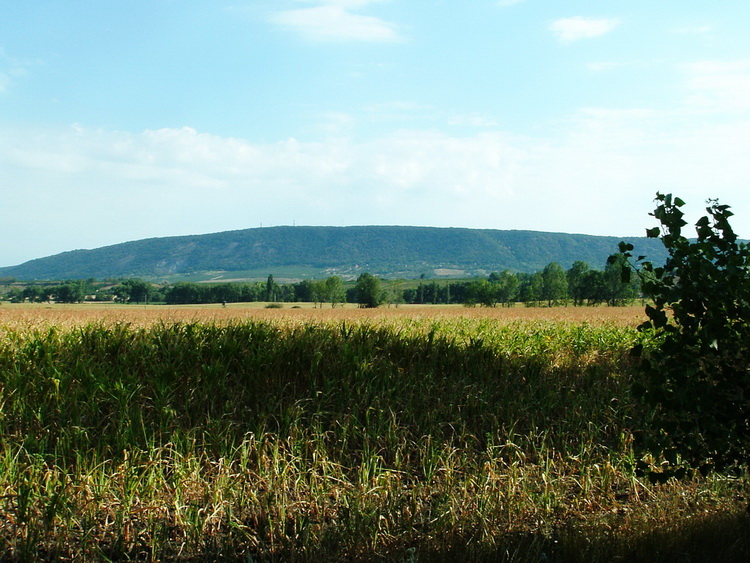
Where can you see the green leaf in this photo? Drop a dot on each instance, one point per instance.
(625, 247)
(625, 275)
(700, 322)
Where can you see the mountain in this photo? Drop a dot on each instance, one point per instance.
(316, 251)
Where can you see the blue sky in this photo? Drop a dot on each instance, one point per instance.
(127, 120)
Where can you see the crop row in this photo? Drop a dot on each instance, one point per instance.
(273, 440)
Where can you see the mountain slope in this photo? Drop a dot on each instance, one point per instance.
(386, 251)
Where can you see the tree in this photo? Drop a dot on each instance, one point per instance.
(617, 291)
(70, 292)
(253, 292)
(303, 291)
(531, 289)
(554, 284)
(270, 288)
(697, 379)
(15, 295)
(224, 293)
(576, 276)
(481, 292)
(133, 291)
(318, 293)
(334, 290)
(507, 288)
(179, 293)
(33, 293)
(368, 291)
(594, 288)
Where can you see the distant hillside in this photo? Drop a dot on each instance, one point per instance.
(347, 251)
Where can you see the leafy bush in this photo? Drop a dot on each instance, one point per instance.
(697, 379)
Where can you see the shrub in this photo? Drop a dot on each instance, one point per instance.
(697, 379)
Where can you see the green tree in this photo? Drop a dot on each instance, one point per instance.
(554, 284)
(531, 289)
(615, 290)
(334, 290)
(576, 276)
(133, 291)
(182, 293)
(303, 291)
(252, 292)
(15, 295)
(284, 292)
(224, 293)
(70, 292)
(368, 290)
(33, 293)
(507, 288)
(594, 288)
(481, 292)
(697, 379)
(434, 292)
(270, 288)
(420, 292)
(318, 292)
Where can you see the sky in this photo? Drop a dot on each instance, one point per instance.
(128, 120)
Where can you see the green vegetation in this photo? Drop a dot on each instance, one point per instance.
(316, 252)
(72, 291)
(697, 377)
(405, 440)
(368, 291)
(551, 286)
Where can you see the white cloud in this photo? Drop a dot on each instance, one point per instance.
(10, 69)
(596, 172)
(576, 28)
(695, 30)
(604, 66)
(334, 21)
(180, 181)
(719, 85)
(401, 112)
(472, 120)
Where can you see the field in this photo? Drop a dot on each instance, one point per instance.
(29, 314)
(396, 434)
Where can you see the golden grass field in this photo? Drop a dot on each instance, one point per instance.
(410, 433)
(30, 314)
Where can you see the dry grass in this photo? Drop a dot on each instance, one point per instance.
(33, 314)
(417, 433)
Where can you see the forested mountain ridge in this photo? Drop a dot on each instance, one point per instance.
(347, 251)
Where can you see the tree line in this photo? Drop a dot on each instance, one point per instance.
(579, 285)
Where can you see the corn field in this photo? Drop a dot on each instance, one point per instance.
(397, 435)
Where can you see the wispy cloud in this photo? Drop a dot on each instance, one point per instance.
(472, 120)
(612, 158)
(10, 69)
(577, 28)
(335, 20)
(196, 182)
(719, 85)
(604, 66)
(695, 30)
